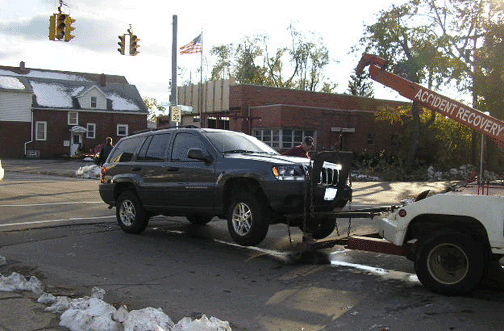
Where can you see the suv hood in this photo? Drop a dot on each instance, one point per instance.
(277, 159)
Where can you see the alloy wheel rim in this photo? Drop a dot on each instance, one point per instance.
(242, 219)
(127, 213)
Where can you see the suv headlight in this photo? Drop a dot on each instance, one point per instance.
(288, 173)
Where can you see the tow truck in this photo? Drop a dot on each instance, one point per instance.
(452, 238)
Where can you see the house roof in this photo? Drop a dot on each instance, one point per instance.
(60, 89)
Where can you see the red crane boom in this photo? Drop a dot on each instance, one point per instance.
(455, 110)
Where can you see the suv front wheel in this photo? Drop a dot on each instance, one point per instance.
(130, 213)
(247, 222)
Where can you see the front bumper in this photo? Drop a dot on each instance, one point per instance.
(388, 228)
(294, 197)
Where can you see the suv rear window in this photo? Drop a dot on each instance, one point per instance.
(125, 149)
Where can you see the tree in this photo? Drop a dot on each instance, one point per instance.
(155, 109)
(360, 85)
(409, 49)
(252, 62)
(222, 67)
(432, 42)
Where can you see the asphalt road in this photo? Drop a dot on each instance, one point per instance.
(58, 229)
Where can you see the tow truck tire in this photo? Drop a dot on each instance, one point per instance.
(130, 213)
(324, 228)
(450, 263)
(247, 221)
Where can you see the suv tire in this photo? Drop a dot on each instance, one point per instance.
(247, 222)
(130, 213)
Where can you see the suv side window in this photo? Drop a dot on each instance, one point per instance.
(154, 148)
(184, 141)
(125, 149)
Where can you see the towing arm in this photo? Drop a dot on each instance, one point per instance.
(455, 110)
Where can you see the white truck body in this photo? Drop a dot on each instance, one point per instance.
(488, 210)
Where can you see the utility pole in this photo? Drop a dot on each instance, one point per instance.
(173, 95)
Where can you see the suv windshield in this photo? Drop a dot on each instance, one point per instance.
(233, 142)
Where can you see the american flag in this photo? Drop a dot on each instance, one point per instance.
(194, 46)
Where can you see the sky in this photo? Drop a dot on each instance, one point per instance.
(24, 27)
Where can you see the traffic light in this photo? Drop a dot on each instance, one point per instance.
(69, 28)
(60, 26)
(52, 26)
(134, 45)
(122, 44)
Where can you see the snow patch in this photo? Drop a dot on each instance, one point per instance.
(93, 314)
(52, 95)
(90, 171)
(18, 282)
(45, 74)
(11, 83)
(120, 103)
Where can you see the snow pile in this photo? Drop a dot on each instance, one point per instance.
(90, 171)
(18, 282)
(94, 314)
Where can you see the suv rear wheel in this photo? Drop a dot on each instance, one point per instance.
(130, 213)
(247, 222)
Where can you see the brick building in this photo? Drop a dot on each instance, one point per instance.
(47, 113)
(282, 117)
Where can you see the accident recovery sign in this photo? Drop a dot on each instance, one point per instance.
(471, 117)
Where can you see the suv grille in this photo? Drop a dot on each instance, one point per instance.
(328, 176)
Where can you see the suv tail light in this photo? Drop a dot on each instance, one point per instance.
(103, 174)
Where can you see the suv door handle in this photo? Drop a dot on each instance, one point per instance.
(172, 169)
(136, 168)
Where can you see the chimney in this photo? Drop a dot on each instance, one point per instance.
(22, 65)
(103, 80)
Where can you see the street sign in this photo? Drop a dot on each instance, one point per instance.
(176, 114)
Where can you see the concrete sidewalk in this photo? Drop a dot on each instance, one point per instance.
(21, 311)
(63, 167)
(379, 193)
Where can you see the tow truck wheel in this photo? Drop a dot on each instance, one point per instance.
(450, 263)
(247, 222)
(130, 213)
(323, 228)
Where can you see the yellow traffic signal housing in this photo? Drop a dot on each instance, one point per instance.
(52, 26)
(122, 44)
(61, 25)
(69, 28)
(134, 45)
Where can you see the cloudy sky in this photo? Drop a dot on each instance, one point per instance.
(24, 27)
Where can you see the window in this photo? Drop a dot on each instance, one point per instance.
(91, 131)
(125, 150)
(93, 102)
(371, 139)
(154, 148)
(282, 138)
(73, 118)
(41, 131)
(183, 143)
(122, 130)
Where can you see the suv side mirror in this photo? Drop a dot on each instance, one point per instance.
(197, 154)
